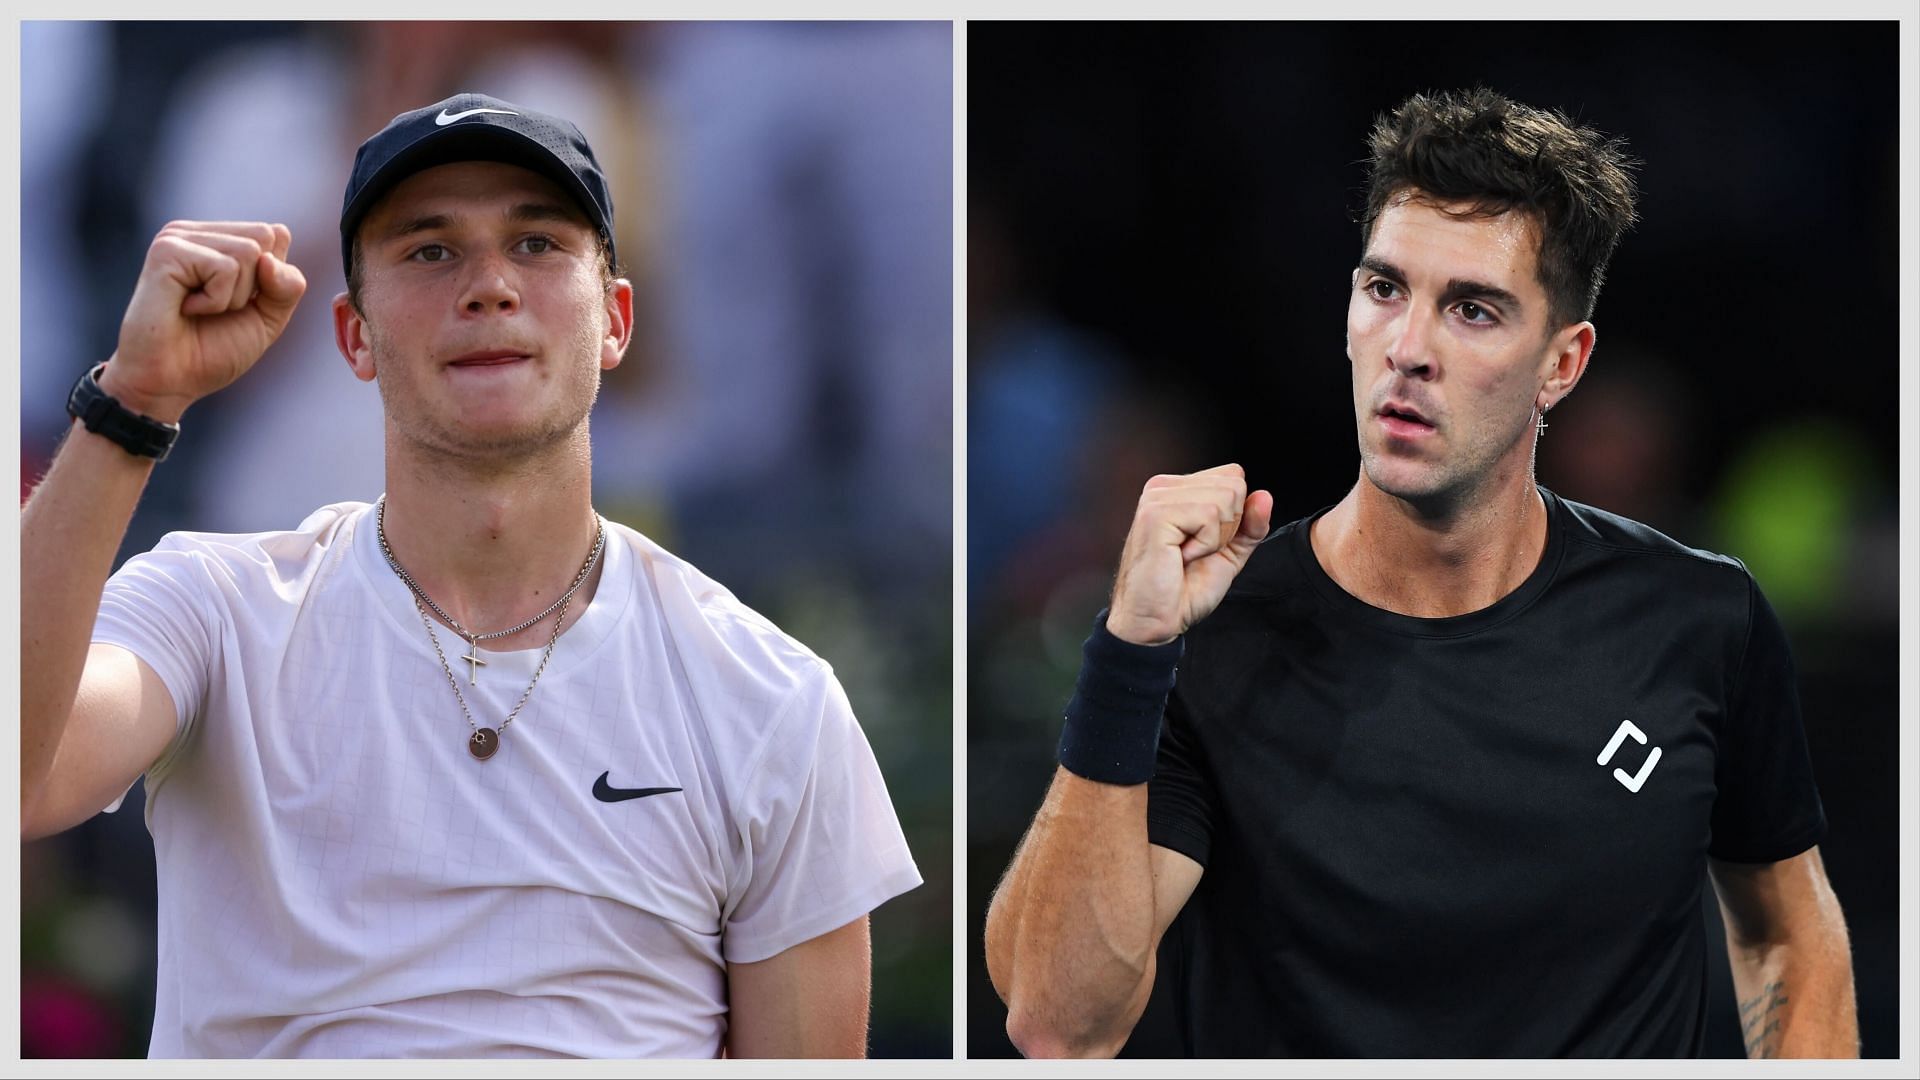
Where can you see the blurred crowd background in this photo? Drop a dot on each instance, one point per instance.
(783, 198)
(1161, 229)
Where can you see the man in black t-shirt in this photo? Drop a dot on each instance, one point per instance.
(1450, 762)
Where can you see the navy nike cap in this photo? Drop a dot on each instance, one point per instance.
(474, 127)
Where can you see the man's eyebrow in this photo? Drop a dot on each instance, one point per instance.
(520, 213)
(544, 211)
(1456, 289)
(1384, 268)
(418, 224)
(1468, 289)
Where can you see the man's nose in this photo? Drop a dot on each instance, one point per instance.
(490, 286)
(1410, 353)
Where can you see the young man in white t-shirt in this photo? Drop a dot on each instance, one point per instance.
(469, 771)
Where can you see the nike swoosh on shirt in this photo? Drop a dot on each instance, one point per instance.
(606, 792)
(446, 117)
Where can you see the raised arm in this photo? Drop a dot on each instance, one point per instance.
(1077, 920)
(1075, 924)
(210, 299)
(1792, 966)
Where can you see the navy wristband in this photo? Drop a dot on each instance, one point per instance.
(1112, 733)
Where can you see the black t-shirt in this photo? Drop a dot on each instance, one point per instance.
(1484, 835)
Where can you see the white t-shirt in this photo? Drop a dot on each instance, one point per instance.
(339, 877)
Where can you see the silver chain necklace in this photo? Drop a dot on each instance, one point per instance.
(473, 661)
(485, 740)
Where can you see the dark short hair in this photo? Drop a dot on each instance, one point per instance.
(1479, 147)
(356, 270)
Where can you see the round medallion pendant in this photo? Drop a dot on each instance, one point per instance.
(484, 743)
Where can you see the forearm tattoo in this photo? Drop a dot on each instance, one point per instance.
(1760, 1019)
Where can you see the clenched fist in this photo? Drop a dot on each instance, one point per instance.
(1191, 535)
(211, 297)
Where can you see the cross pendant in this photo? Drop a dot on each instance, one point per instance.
(474, 663)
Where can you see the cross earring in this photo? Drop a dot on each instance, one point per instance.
(1540, 426)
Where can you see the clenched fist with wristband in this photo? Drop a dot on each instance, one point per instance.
(1191, 535)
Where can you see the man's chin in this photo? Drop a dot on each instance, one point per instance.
(1418, 482)
(491, 440)
(1397, 475)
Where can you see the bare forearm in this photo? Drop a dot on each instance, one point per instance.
(69, 532)
(1792, 965)
(1796, 999)
(1070, 934)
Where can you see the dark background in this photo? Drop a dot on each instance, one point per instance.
(1160, 235)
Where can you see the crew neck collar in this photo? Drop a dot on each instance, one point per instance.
(1347, 606)
(586, 631)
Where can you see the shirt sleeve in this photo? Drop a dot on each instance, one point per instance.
(1180, 795)
(1766, 806)
(822, 845)
(155, 606)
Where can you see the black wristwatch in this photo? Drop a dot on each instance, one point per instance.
(142, 436)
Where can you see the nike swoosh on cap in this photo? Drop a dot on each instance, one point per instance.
(446, 117)
(606, 792)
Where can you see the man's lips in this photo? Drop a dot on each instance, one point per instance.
(1404, 421)
(487, 358)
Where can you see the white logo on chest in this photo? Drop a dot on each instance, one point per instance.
(1633, 782)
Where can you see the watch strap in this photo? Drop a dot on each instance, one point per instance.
(102, 414)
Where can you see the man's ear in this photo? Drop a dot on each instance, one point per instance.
(350, 334)
(613, 347)
(1572, 348)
